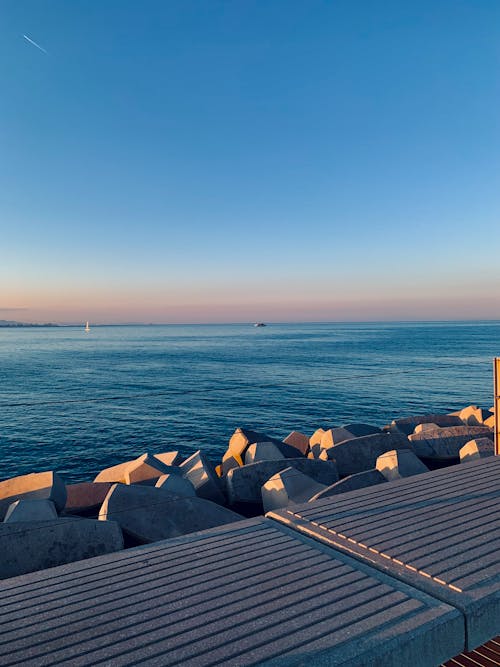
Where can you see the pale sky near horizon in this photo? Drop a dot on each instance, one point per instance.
(198, 161)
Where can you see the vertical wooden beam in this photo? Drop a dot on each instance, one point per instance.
(496, 402)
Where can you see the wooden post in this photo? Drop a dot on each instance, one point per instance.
(496, 402)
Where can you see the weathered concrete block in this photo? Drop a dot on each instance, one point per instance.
(86, 497)
(334, 436)
(420, 428)
(315, 441)
(146, 469)
(230, 461)
(351, 483)
(149, 514)
(288, 486)
(113, 474)
(201, 473)
(400, 463)
(36, 486)
(477, 449)
(361, 454)
(30, 510)
(298, 440)
(406, 425)
(490, 422)
(263, 451)
(242, 437)
(446, 443)
(170, 458)
(175, 484)
(32, 546)
(474, 416)
(244, 484)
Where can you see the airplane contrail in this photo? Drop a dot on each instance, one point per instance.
(34, 44)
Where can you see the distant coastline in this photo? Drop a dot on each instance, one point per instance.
(8, 324)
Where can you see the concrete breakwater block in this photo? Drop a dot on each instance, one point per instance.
(406, 425)
(333, 436)
(35, 486)
(479, 448)
(474, 416)
(170, 458)
(86, 497)
(30, 510)
(244, 484)
(36, 545)
(264, 451)
(149, 514)
(198, 470)
(359, 480)
(298, 440)
(400, 463)
(360, 454)
(175, 484)
(286, 487)
(242, 437)
(447, 442)
(143, 469)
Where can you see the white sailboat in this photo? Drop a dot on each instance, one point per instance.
(87, 328)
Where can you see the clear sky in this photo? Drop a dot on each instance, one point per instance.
(196, 161)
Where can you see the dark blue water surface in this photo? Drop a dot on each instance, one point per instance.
(77, 402)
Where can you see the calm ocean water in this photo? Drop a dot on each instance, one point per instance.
(78, 402)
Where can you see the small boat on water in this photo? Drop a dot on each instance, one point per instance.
(259, 324)
(87, 328)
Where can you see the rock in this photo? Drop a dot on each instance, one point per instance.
(170, 458)
(143, 469)
(474, 416)
(86, 497)
(175, 484)
(406, 425)
(334, 436)
(30, 510)
(400, 463)
(32, 546)
(263, 451)
(315, 441)
(360, 454)
(288, 486)
(477, 449)
(230, 461)
(242, 437)
(201, 473)
(35, 486)
(420, 428)
(147, 469)
(351, 483)
(149, 514)
(446, 443)
(299, 441)
(244, 484)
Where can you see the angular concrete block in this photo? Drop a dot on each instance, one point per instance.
(351, 483)
(315, 441)
(35, 486)
(242, 437)
(31, 510)
(420, 428)
(474, 416)
(400, 463)
(147, 469)
(490, 422)
(170, 458)
(201, 473)
(334, 436)
(360, 454)
(32, 546)
(298, 440)
(263, 451)
(406, 425)
(175, 484)
(479, 448)
(244, 484)
(86, 497)
(113, 474)
(446, 443)
(149, 514)
(230, 460)
(288, 486)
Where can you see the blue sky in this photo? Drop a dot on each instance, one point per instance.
(231, 161)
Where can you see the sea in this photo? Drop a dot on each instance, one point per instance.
(77, 402)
